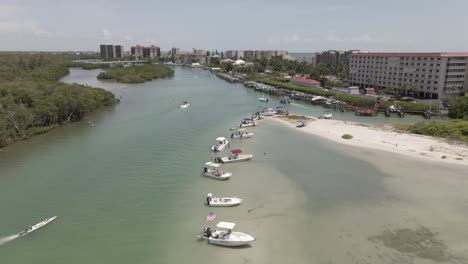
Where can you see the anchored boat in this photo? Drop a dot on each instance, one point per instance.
(281, 111)
(225, 236)
(267, 112)
(212, 170)
(241, 134)
(247, 122)
(328, 115)
(285, 100)
(235, 156)
(222, 201)
(220, 144)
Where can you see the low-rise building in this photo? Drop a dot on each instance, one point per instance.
(353, 90)
(305, 82)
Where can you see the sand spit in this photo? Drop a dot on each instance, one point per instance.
(387, 139)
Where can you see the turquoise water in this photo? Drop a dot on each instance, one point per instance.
(129, 189)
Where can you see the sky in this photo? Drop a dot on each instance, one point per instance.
(293, 25)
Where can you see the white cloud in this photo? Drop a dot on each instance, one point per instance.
(106, 33)
(362, 38)
(292, 38)
(14, 21)
(332, 36)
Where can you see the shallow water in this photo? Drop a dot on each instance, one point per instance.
(129, 189)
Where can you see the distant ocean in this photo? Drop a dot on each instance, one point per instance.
(301, 54)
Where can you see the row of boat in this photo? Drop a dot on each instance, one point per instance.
(223, 235)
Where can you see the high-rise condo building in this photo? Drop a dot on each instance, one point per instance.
(111, 51)
(429, 75)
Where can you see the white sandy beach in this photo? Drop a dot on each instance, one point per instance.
(387, 139)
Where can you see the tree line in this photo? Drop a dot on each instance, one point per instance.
(32, 100)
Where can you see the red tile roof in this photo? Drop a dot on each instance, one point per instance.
(420, 54)
(305, 80)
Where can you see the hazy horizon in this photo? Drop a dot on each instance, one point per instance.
(296, 26)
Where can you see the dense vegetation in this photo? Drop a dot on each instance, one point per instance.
(32, 100)
(137, 73)
(455, 129)
(458, 107)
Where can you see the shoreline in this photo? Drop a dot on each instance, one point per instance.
(386, 139)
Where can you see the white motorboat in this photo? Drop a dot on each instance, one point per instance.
(268, 112)
(281, 111)
(212, 170)
(91, 124)
(33, 228)
(184, 104)
(241, 134)
(235, 157)
(256, 116)
(225, 236)
(247, 122)
(285, 100)
(263, 99)
(222, 201)
(328, 115)
(221, 143)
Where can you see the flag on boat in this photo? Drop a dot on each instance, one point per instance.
(210, 217)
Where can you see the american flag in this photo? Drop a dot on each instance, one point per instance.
(210, 217)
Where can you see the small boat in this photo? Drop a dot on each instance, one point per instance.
(268, 112)
(212, 170)
(225, 236)
(235, 156)
(184, 104)
(327, 115)
(220, 144)
(91, 124)
(256, 116)
(222, 201)
(285, 100)
(263, 99)
(281, 111)
(33, 228)
(241, 134)
(247, 122)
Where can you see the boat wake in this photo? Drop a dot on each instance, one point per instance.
(302, 106)
(4, 240)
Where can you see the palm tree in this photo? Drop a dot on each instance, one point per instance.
(413, 88)
(391, 89)
(405, 87)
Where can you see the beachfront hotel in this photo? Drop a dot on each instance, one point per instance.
(428, 75)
